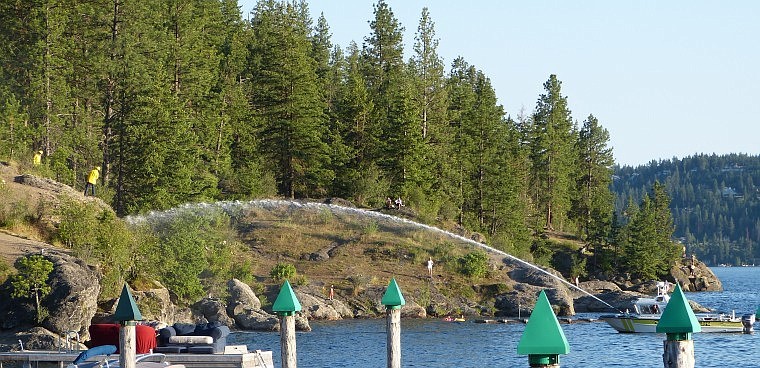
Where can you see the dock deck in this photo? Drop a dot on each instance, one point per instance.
(255, 359)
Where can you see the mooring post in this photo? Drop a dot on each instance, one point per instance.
(286, 305)
(127, 314)
(393, 300)
(543, 339)
(678, 322)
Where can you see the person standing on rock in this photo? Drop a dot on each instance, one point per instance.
(430, 266)
(37, 160)
(92, 179)
(332, 292)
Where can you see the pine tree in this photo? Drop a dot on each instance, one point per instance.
(238, 164)
(552, 155)
(592, 205)
(287, 102)
(399, 153)
(461, 91)
(438, 176)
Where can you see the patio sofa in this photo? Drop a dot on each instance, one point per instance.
(203, 338)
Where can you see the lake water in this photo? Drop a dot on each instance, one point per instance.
(433, 343)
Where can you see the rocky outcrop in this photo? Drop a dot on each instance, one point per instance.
(73, 299)
(696, 278)
(316, 308)
(530, 282)
(241, 295)
(212, 310)
(70, 305)
(155, 304)
(244, 307)
(256, 320)
(521, 300)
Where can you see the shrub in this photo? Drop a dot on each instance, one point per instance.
(358, 283)
(474, 264)
(32, 281)
(282, 271)
(188, 245)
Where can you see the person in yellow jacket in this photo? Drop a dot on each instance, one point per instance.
(92, 179)
(37, 158)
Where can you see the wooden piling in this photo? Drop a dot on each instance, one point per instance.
(678, 354)
(127, 345)
(127, 314)
(286, 305)
(678, 322)
(393, 300)
(394, 337)
(288, 341)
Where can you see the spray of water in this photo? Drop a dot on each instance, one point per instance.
(235, 208)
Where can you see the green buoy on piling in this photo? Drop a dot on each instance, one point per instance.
(543, 339)
(127, 314)
(286, 303)
(126, 309)
(678, 320)
(392, 298)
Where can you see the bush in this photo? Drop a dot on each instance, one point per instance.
(187, 246)
(474, 264)
(358, 283)
(32, 281)
(13, 214)
(282, 271)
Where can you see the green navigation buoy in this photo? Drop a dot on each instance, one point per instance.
(126, 309)
(286, 303)
(393, 298)
(543, 339)
(678, 320)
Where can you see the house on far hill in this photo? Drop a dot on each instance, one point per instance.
(727, 192)
(733, 168)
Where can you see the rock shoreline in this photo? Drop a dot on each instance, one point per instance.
(73, 304)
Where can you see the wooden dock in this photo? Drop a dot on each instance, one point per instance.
(255, 359)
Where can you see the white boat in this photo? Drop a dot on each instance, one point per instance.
(647, 312)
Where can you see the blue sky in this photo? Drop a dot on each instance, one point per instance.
(666, 78)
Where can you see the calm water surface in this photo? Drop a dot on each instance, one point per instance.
(433, 343)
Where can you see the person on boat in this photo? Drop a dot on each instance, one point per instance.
(92, 179)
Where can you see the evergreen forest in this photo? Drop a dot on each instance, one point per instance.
(190, 101)
(715, 202)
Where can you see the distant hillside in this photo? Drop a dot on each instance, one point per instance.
(715, 201)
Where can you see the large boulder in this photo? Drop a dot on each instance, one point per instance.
(212, 310)
(241, 295)
(73, 299)
(533, 279)
(413, 310)
(256, 320)
(607, 301)
(245, 309)
(521, 300)
(156, 304)
(318, 307)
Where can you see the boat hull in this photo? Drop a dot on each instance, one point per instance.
(642, 324)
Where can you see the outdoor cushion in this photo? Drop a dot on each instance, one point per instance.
(191, 340)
